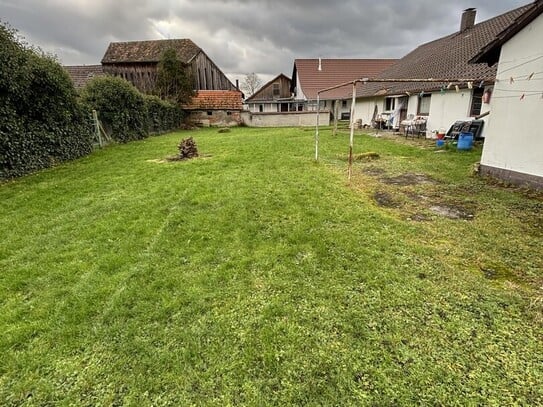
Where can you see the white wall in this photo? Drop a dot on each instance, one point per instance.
(364, 108)
(514, 138)
(268, 107)
(285, 119)
(448, 107)
(445, 108)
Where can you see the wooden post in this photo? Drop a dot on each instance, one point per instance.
(97, 131)
(336, 113)
(317, 130)
(351, 138)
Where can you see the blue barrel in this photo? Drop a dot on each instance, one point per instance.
(465, 141)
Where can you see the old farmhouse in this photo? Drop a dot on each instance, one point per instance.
(438, 105)
(513, 143)
(274, 96)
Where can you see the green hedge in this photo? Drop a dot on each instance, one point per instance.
(162, 116)
(120, 106)
(127, 114)
(41, 120)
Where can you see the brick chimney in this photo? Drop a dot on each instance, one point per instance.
(468, 19)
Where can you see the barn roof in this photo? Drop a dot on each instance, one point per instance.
(446, 57)
(149, 51)
(216, 100)
(81, 74)
(333, 72)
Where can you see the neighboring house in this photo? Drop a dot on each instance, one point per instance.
(137, 62)
(216, 108)
(440, 103)
(274, 96)
(514, 146)
(312, 75)
(81, 74)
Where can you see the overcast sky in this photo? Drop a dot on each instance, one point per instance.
(243, 36)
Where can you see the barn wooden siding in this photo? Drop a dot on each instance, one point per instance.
(278, 88)
(205, 74)
(141, 75)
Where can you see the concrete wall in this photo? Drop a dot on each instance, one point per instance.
(216, 118)
(285, 119)
(514, 139)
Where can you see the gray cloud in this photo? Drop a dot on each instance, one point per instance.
(242, 36)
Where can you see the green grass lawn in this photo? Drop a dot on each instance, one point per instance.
(255, 276)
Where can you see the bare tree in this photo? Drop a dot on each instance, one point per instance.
(251, 84)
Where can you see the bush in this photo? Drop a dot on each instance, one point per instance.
(162, 116)
(120, 107)
(126, 113)
(42, 122)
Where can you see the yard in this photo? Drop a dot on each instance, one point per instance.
(255, 276)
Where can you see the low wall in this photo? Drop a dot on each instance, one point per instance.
(285, 119)
(218, 118)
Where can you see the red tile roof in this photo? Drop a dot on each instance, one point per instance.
(149, 51)
(216, 100)
(333, 72)
(81, 74)
(447, 57)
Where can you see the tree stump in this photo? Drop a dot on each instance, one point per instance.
(187, 149)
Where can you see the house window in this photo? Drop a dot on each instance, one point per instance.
(276, 90)
(325, 103)
(476, 102)
(424, 105)
(260, 108)
(209, 113)
(344, 103)
(390, 104)
(229, 113)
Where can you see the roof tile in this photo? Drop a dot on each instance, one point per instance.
(81, 74)
(333, 72)
(446, 57)
(149, 51)
(216, 100)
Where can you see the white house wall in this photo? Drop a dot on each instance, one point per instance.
(365, 107)
(445, 108)
(513, 138)
(448, 107)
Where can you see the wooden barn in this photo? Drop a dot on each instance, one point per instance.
(137, 62)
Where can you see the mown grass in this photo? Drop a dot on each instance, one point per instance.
(255, 276)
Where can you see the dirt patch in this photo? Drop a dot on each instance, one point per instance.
(452, 212)
(373, 171)
(408, 179)
(386, 200)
